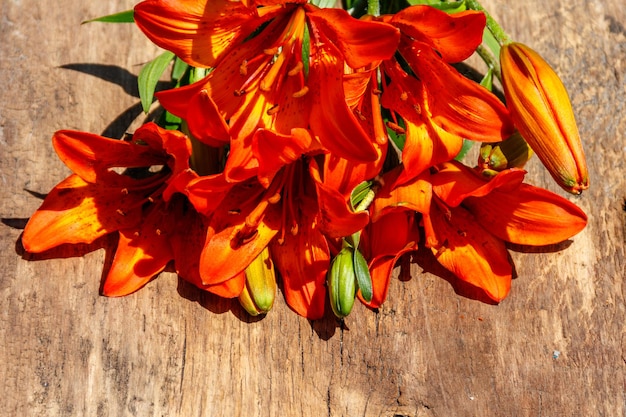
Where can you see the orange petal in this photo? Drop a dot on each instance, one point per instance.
(454, 36)
(454, 182)
(467, 250)
(274, 151)
(360, 42)
(457, 104)
(140, 255)
(386, 241)
(528, 215)
(92, 156)
(303, 260)
(199, 32)
(331, 119)
(239, 230)
(78, 212)
(400, 193)
(336, 218)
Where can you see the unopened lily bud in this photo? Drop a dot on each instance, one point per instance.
(542, 112)
(511, 153)
(257, 296)
(342, 283)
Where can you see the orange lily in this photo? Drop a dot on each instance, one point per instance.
(264, 81)
(471, 219)
(293, 217)
(439, 107)
(96, 201)
(542, 112)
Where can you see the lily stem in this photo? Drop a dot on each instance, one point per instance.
(492, 25)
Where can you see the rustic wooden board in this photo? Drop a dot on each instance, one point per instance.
(556, 346)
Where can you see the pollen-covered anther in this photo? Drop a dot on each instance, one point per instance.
(158, 232)
(274, 199)
(271, 51)
(124, 191)
(120, 212)
(296, 69)
(301, 92)
(396, 128)
(243, 68)
(272, 110)
(404, 96)
(294, 229)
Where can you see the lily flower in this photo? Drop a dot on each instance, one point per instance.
(151, 219)
(470, 220)
(542, 111)
(439, 107)
(264, 80)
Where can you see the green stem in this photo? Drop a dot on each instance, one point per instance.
(492, 25)
(373, 7)
(491, 61)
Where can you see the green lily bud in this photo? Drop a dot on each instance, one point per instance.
(259, 292)
(511, 153)
(342, 282)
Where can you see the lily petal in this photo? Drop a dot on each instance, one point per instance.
(303, 260)
(457, 104)
(76, 211)
(386, 241)
(360, 42)
(454, 182)
(454, 36)
(199, 32)
(140, 255)
(467, 250)
(528, 216)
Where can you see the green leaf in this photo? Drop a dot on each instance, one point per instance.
(149, 77)
(121, 17)
(467, 145)
(323, 4)
(359, 193)
(363, 277)
(487, 80)
(179, 69)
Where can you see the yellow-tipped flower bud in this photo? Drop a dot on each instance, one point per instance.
(511, 153)
(542, 112)
(342, 282)
(259, 292)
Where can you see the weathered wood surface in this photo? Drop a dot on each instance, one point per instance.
(555, 347)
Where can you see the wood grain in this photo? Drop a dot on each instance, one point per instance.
(556, 346)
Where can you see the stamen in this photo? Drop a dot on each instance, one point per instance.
(296, 69)
(272, 110)
(301, 92)
(396, 128)
(404, 96)
(272, 74)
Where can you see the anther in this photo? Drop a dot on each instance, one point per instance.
(296, 69)
(272, 110)
(396, 128)
(300, 93)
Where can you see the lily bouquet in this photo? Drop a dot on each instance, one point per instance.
(309, 146)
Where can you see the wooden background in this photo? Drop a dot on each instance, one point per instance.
(555, 347)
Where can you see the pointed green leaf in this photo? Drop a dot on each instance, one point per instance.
(363, 277)
(121, 17)
(149, 77)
